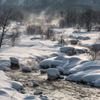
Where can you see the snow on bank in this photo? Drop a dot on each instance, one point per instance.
(8, 89)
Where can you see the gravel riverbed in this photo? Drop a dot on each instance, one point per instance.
(54, 90)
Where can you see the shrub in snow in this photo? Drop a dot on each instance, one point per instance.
(45, 64)
(17, 85)
(35, 84)
(95, 51)
(61, 70)
(14, 63)
(80, 51)
(38, 92)
(53, 74)
(62, 41)
(43, 71)
(68, 50)
(26, 69)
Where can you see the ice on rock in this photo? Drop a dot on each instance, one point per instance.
(53, 74)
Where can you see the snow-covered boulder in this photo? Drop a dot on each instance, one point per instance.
(73, 42)
(17, 85)
(45, 64)
(34, 68)
(61, 70)
(87, 38)
(35, 84)
(55, 63)
(43, 71)
(68, 50)
(26, 69)
(62, 41)
(53, 74)
(31, 98)
(14, 63)
(42, 98)
(38, 92)
(97, 83)
(80, 51)
(14, 60)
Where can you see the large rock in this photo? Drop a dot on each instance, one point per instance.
(45, 64)
(26, 69)
(53, 74)
(68, 50)
(38, 92)
(61, 70)
(14, 63)
(74, 42)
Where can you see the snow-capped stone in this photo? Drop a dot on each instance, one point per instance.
(35, 84)
(26, 69)
(53, 73)
(59, 80)
(43, 71)
(61, 77)
(14, 60)
(43, 98)
(16, 79)
(38, 92)
(17, 85)
(45, 64)
(55, 63)
(34, 68)
(61, 70)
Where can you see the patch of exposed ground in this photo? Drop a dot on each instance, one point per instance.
(62, 90)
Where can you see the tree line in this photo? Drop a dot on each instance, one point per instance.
(88, 19)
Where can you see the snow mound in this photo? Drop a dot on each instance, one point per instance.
(67, 49)
(37, 92)
(53, 73)
(17, 85)
(14, 60)
(26, 69)
(45, 64)
(61, 70)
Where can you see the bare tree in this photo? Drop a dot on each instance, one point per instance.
(87, 18)
(3, 23)
(49, 34)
